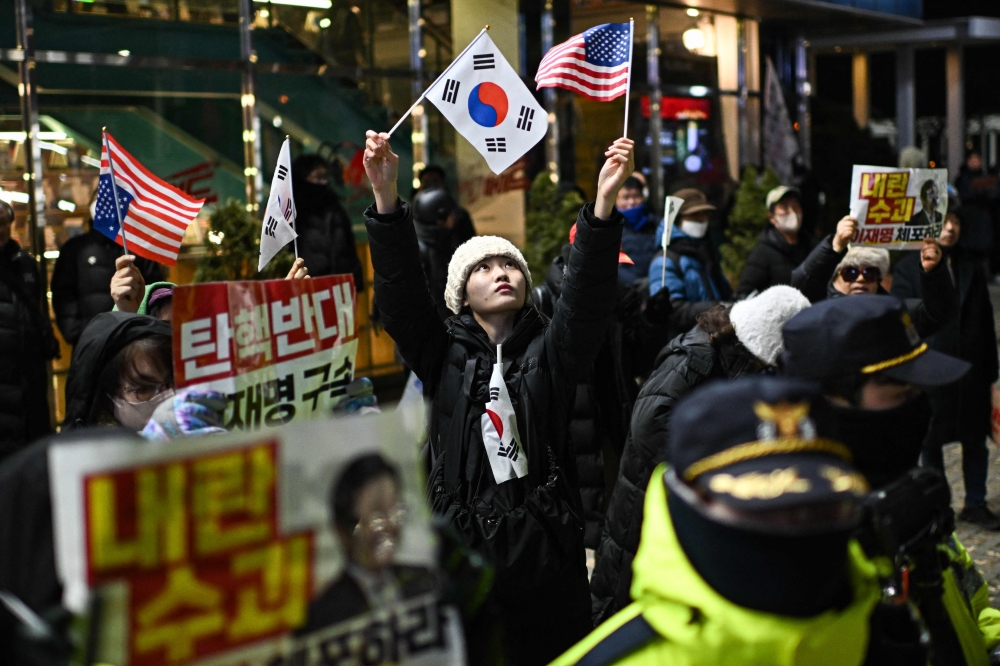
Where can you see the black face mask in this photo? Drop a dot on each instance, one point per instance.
(885, 442)
(795, 576)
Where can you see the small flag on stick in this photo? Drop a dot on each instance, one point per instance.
(277, 230)
(145, 215)
(596, 63)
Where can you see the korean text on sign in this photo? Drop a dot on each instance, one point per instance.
(279, 350)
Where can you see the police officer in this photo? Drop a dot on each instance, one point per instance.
(757, 503)
(872, 367)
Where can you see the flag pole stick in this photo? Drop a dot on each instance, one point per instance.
(295, 241)
(440, 76)
(114, 188)
(628, 80)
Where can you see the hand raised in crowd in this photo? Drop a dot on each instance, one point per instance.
(845, 231)
(382, 168)
(298, 270)
(930, 254)
(619, 166)
(128, 287)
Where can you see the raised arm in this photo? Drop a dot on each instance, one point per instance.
(401, 294)
(587, 303)
(812, 276)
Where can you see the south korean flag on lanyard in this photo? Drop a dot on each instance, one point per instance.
(500, 436)
(486, 101)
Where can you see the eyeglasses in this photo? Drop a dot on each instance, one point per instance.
(378, 521)
(869, 273)
(142, 393)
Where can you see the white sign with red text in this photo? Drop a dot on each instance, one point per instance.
(279, 350)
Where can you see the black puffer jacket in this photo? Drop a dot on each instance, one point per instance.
(772, 261)
(813, 276)
(529, 529)
(961, 410)
(326, 239)
(81, 281)
(437, 244)
(27, 553)
(26, 341)
(603, 403)
(686, 363)
(106, 335)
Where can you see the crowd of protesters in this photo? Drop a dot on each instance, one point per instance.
(743, 464)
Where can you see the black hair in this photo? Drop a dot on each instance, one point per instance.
(305, 164)
(352, 479)
(6, 207)
(432, 168)
(122, 365)
(715, 321)
(632, 183)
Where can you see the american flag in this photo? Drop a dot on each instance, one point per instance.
(154, 212)
(594, 63)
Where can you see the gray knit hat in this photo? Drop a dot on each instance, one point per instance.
(470, 253)
(860, 256)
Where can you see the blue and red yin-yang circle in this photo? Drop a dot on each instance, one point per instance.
(488, 104)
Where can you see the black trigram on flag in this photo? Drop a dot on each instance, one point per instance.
(282, 172)
(508, 452)
(494, 393)
(450, 91)
(484, 61)
(524, 120)
(287, 210)
(498, 145)
(270, 226)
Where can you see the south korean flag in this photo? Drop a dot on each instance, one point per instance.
(279, 215)
(500, 436)
(486, 101)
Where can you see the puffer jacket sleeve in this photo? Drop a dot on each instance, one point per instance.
(586, 306)
(65, 294)
(645, 449)
(812, 275)
(407, 311)
(930, 297)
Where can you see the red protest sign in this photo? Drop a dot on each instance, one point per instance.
(278, 349)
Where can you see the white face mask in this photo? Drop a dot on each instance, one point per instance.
(135, 415)
(789, 222)
(93, 209)
(694, 229)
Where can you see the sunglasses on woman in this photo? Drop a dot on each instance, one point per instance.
(869, 274)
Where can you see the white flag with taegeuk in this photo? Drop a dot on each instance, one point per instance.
(486, 101)
(279, 215)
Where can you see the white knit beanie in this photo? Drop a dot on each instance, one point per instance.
(860, 256)
(470, 253)
(758, 321)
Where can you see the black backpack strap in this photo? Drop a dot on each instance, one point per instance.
(623, 641)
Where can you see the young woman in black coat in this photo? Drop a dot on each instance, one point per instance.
(529, 528)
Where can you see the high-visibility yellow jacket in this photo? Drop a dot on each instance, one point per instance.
(677, 619)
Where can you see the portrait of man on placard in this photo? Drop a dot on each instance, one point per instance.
(929, 201)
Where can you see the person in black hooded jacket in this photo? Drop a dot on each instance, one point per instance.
(527, 525)
(435, 219)
(27, 559)
(326, 239)
(102, 362)
(727, 342)
(26, 341)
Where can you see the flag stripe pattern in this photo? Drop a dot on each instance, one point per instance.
(155, 213)
(594, 63)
